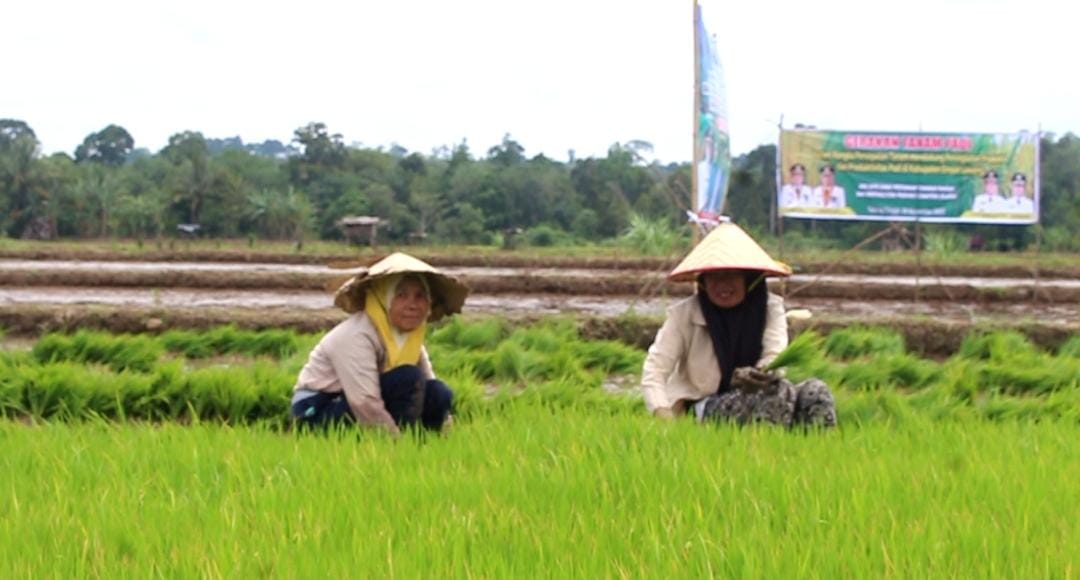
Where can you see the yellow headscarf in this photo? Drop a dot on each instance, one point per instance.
(401, 349)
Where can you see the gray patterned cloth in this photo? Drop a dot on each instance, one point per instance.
(807, 404)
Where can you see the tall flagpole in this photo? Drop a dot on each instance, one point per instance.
(694, 185)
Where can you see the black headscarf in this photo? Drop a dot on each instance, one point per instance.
(736, 332)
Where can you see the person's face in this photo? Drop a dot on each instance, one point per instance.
(990, 185)
(797, 176)
(1018, 188)
(410, 305)
(725, 288)
(828, 179)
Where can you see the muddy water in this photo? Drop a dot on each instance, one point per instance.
(533, 304)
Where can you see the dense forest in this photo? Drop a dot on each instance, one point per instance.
(301, 189)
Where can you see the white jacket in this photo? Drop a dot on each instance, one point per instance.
(681, 363)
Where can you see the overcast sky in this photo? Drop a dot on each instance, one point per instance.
(555, 74)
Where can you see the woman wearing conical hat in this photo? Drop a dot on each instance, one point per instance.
(709, 355)
(372, 368)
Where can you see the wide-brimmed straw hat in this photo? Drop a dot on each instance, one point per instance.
(727, 247)
(447, 294)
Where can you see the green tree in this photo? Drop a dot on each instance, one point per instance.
(279, 215)
(18, 154)
(190, 180)
(109, 146)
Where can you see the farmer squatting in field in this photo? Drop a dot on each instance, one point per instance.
(372, 368)
(710, 354)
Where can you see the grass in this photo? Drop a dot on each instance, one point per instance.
(531, 493)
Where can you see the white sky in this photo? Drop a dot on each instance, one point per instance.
(555, 74)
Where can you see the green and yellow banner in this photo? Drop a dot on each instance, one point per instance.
(931, 177)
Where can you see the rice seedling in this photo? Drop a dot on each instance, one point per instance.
(536, 490)
(802, 350)
(898, 371)
(857, 341)
(997, 346)
(87, 375)
(228, 340)
(124, 352)
(1070, 348)
(485, 334)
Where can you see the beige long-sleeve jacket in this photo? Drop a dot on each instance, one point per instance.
(349, 359)
(681, 363)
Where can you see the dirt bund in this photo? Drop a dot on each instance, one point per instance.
(511, 260)
(926, 337)
(631, 284)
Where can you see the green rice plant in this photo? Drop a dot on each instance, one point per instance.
(509, 362)
(469, 392)
(558, 364)
(123, 352)
(608, 357)
(1070, 348)
(802, 350)
(1060, 405)
(484, 334)
(11, 391)
(69, 391)
(1043, 374)
(446, 359)
(998, 346)
(961, 378)
(577, 491)
(228, 340)
(878, 407)
(857, 341)
(546, 337)
(190, 344)
(890, 372)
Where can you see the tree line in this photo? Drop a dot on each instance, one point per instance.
(301, 189)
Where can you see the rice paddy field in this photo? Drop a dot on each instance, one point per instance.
(170, 455)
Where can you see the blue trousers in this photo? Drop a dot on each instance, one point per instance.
(406, 395)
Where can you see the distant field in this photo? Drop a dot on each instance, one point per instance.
(318, 251)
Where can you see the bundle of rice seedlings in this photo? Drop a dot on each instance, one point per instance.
(1070, 348)
(123, 352)
(547, 337)
(468, 391)
(998, 346)
(609, 357)
(1041, 375)
(894, 371)
(801, 351)
(509, 362)
(190, 344)
(484, 334)
(856, 341)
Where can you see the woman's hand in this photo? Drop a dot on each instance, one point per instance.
(750, 379)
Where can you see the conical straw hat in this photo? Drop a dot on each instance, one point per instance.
(727, 247)
(447, 294)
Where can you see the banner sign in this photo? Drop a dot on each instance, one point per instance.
(930, 177)
(712, 151)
